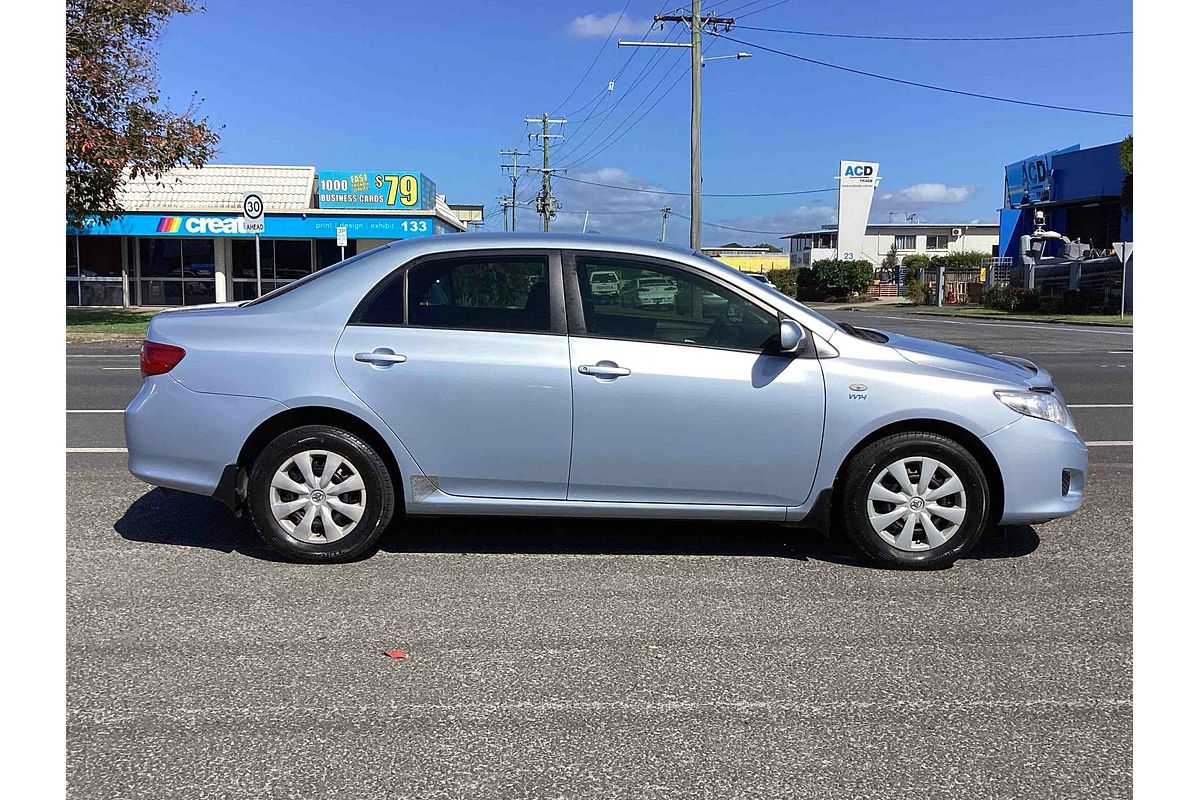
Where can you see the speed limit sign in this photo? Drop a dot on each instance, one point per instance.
(253, 219)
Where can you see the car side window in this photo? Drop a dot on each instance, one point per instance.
(650, 302)
(506, 293)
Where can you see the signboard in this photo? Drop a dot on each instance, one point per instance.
(858, 180)
(253, 213)
(341, 235)
(297, 226)
(1029, 180)
(348, 188)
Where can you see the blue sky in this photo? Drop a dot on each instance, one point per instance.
(441, 88)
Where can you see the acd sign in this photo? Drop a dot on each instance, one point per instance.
(859, 171)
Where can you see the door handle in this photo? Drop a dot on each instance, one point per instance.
(380, 357)
(603, 370)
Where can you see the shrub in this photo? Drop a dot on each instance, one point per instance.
(785, 279)
(913, 264)
(841, 279)
(917, 292)
(1005, 298)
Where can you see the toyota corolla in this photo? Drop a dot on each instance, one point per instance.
(479, 374)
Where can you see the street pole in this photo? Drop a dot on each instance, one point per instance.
(697, 65)
(546, 196)
(585, 219)
(662, 234)
(515, 155)
(696, 22)
(257, 265)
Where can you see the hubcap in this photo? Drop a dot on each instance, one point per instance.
(318, 496)
(916, 504)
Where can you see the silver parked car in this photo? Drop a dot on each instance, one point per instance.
(479, 374)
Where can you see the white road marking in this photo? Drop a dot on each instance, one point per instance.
(1102, 405)
(1109, 444)
(95, 411)
(1041, 326)
(102, 355)
(137, 368)
(97, 450)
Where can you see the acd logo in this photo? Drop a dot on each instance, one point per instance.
(859, 171)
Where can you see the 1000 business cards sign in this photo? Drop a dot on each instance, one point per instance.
(387, 190)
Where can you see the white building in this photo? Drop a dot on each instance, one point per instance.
(932, 239)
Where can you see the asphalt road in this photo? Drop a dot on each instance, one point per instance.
(591, 659)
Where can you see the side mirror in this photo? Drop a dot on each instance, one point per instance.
(791, 336)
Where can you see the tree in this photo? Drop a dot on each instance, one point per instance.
(117, 125)
(1125, 157)
(891, 260)
(769, 246)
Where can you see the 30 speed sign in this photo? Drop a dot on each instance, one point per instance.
(253, 218)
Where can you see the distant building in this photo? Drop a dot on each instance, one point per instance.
(181, 239)
(748, 259)
(1077, 191)
(932, 239)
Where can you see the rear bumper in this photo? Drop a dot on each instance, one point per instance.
(1038, 460)
(186, 440)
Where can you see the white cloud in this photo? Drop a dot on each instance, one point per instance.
(596, 25)
(930, 194)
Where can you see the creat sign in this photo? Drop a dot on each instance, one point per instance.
(201, 225)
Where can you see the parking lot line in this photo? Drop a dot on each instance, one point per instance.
(95, 411)
(97, 450)
(120, 368)
(1100, 405)
(1109, 444)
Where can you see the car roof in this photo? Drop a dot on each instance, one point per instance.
(577, 241)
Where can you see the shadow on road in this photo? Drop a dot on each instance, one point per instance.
(188, 520)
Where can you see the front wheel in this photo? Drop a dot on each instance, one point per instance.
(320, 494)
(914, 501)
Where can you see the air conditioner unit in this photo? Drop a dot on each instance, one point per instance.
(956, 231)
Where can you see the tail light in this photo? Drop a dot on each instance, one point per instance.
(158, 358)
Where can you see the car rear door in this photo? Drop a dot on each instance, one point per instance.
(687, 403)
(465, 358)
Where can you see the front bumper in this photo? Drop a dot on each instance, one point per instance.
(1044, 468)
(183, 439)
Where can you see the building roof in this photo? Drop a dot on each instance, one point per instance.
(219, 187)
(915, 226)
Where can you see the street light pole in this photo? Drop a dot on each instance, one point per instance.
(696, 22)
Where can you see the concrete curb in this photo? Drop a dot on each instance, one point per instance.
(998, 318)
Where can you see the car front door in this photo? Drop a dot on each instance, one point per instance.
(687, 402)
(465, 358)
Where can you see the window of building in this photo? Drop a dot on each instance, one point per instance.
(94, 271)
(175, 272)
(906, 241)
(283, 261)
(937, 241)
(507, 293)
(329, 253)
(825, 241)
(661, 304)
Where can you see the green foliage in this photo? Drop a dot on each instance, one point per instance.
(917, 292)
(1006, 298)
(1069, 302)
(891, 259)
(1125, 157)
(115, 123)
(769, 246)
(966, 261)
(785, 279)
(913, 264)
(840, 279)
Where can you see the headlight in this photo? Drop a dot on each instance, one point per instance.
(1042, 405)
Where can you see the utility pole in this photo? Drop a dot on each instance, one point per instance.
(516, 156)
(666, 212)
(505, 204)
(696, 22)
(546, 201)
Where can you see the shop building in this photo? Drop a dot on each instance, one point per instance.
(180, 239)
(748, 259)
(1077, 191)
(909, 238)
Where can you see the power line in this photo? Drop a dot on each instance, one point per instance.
(924, 85)
(939, 38)
(706, 194)
(732, 228)
(599, 52)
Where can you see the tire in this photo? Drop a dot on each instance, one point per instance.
(283, 463)
(878, 524)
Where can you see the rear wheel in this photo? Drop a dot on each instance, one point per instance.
(319, 494)
(914, 501)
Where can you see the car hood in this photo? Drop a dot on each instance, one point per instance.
(972, 362)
